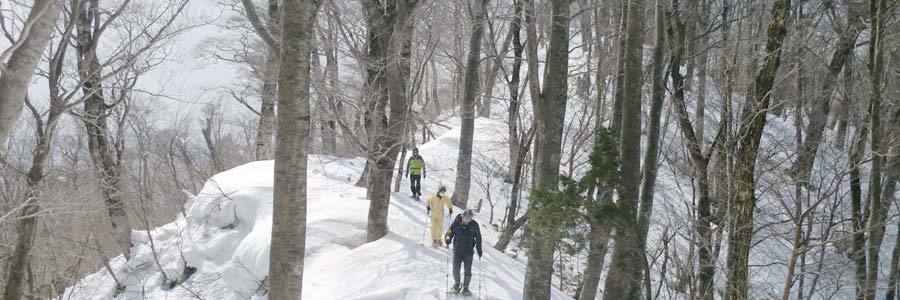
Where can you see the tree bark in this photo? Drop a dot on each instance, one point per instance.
(105, 153)
(265, 131)
(390, 27)
(754, 114)
(877, 209)
(291, 147)
(549, 115)
(650, 166)
(470, 95)
(820, 109)
(26, 53)
(624, 278)
(512, 120)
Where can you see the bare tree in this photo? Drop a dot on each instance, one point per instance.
(289, 208)
(754, 119)
(268, 32)
(470, 93)
(24, 56)
(390, 26)
(549, 115)
(623, 280)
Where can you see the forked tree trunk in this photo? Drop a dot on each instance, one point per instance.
(105, 155)
(754, 114)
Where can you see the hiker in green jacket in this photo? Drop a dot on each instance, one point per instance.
(415, 170)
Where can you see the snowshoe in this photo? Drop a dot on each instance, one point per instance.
(454, 290)
(466, 293)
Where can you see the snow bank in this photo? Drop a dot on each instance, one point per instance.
(219, 249)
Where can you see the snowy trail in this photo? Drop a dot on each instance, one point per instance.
(220, 250)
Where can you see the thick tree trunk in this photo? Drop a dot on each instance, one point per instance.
(105, 155)
(26, 53)
(291, 147)
(624, 278)
(470, 95)
(819, 112)
(754, 114)
(550, 111)
(390, 27)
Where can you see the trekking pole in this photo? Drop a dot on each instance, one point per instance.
(425, 229)
(447, 274)
(481, 279)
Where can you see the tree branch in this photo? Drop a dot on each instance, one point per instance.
(258, 27)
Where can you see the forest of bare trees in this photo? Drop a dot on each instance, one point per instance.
(652, 149)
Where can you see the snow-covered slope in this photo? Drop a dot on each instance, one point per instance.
(219, 247)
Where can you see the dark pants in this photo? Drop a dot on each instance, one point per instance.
(415, 184)
(462, 258)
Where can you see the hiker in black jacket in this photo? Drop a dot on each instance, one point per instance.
(465, 235)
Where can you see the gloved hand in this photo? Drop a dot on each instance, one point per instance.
(479, 254)
(429, 209)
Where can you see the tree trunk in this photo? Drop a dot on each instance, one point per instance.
(26, 53)
(549, 115)
(858, 254)
(618, 93)
(512, 120)
(390, 28)
(877, 209)
(624, 278)
(265, 130)
(819, 112)
(493, 69)
(737, 281)
(329, 133)
(470, 95)
(105, 154)
(649, 169)
(291, 147)
(699, 162)
(843, 113)
(25, 227)
(893, 282)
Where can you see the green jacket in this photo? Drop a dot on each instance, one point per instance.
(415, 165)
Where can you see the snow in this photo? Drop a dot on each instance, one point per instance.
(225, 234)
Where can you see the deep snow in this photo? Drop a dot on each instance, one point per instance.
(225, 235)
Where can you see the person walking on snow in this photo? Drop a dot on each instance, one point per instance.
(435, 206)
(465, 235)
(415, 170)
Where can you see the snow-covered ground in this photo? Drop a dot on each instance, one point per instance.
(219, 247)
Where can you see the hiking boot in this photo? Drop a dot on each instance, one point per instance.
(454, 289)
(466, 292)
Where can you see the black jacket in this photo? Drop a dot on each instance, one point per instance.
(465, 237)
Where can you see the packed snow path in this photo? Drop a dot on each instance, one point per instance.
(219, 249)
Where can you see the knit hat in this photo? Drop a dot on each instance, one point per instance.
(469, 213)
